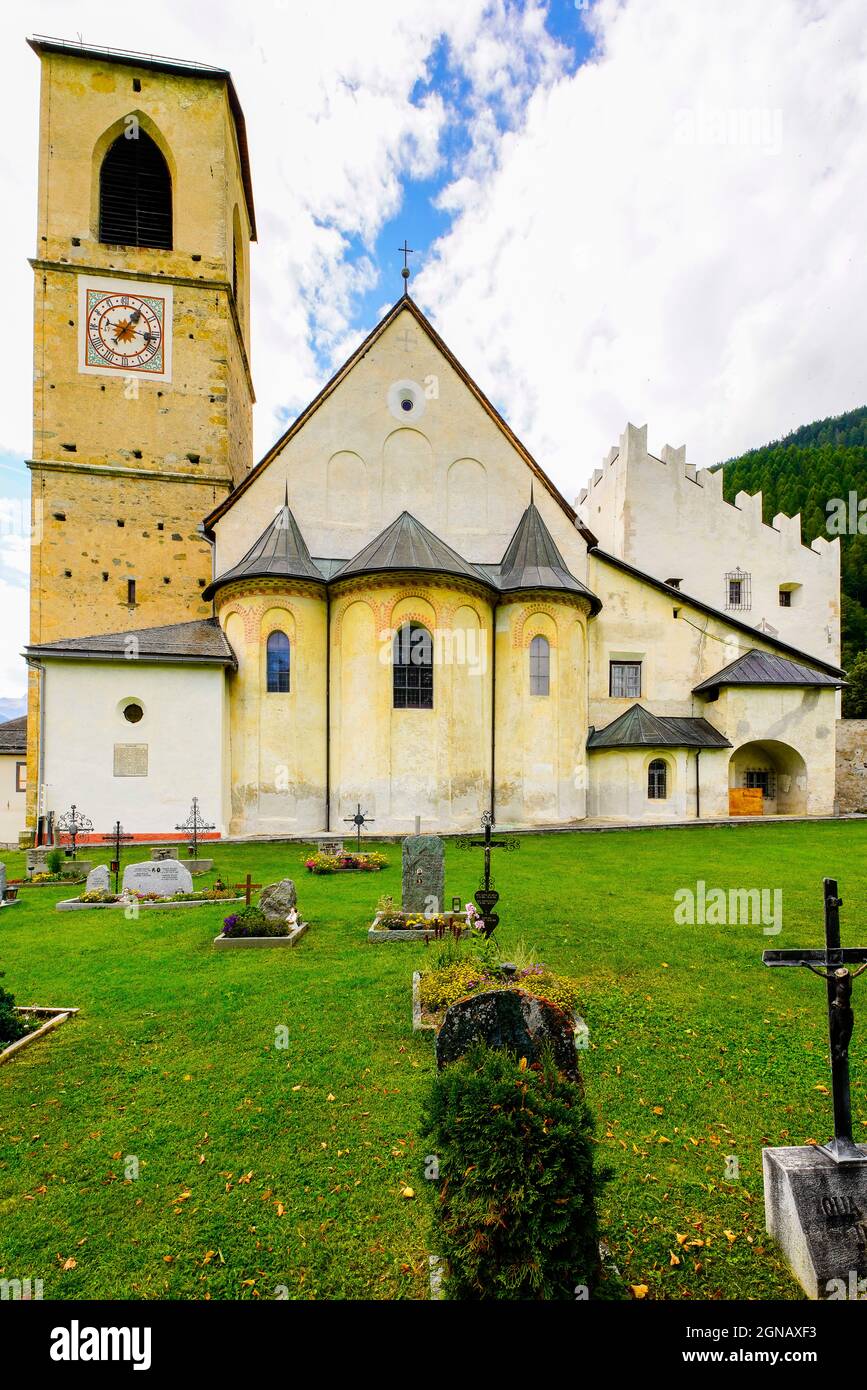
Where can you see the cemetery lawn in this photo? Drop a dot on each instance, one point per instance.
(263, 1169)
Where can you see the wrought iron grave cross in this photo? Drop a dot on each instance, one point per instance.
(194, 823)
(487, 897)
(72, 822)
(833, 965)
(119, 836)
(358, 820)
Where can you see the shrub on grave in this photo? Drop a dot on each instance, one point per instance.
(12, 1025)
(517, 1192)
(54, 860)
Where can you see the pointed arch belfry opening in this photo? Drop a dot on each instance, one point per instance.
(135, 190)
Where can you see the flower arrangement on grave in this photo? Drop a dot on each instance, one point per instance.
(460, 971)
(368, 862)
(251, 921)
(128, 896)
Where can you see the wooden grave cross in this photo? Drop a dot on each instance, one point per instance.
(248, 885)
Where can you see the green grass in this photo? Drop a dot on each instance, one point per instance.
(696, 1053)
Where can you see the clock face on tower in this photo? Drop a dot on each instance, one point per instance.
(125, 328)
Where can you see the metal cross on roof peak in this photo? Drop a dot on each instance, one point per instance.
(833, 965)
(406, 251)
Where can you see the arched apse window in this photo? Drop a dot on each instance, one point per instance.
(412, 668)
(540, 666)
(278, 663)
(135, 194)
(657, 780)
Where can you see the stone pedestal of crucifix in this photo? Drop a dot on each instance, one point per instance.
(816, 1196)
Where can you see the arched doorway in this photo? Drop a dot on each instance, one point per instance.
(777, 771)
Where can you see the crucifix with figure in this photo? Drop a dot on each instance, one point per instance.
(833, 965)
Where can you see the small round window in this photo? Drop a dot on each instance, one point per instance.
(132, 713)
(405, 398)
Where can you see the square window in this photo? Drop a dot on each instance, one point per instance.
(624, 681)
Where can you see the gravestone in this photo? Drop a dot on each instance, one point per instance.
(37, 860)
(278, 900)
(98, 880)
(75, 868)
(163, 878)
(423, 884)
(163, 852)
(509, 1019)
(329, 844)
(816, 1210)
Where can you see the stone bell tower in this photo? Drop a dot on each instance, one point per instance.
(142, 400)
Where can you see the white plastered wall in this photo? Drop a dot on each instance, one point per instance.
(12, 818)
(183, 727)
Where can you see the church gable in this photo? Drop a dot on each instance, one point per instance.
(402, 427)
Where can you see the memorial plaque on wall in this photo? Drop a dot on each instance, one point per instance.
(130, 760)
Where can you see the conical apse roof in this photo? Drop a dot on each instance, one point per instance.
(408, 545)
(532, 561)
(279, 553)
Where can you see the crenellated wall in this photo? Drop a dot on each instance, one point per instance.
(671, 520)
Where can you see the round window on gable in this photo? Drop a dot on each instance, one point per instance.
(132, 712)
(406, 400)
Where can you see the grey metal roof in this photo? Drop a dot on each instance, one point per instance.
(765, 668)
(13, 735)
(408, 545)
(280, 551)
(532, 561)
(638, 728)
(201, 642)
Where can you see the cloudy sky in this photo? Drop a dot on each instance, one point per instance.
(626, 209)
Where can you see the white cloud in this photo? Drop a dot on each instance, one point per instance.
(674, 236)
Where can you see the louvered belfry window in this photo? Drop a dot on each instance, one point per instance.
(135, 194)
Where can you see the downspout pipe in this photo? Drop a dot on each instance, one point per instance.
(38, 667)
(697, 785)
(493, 713)
(327, 709)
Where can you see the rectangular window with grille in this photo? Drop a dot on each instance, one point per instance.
(738, 590)
(762, 778)
(624, 681)
(785, 598)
